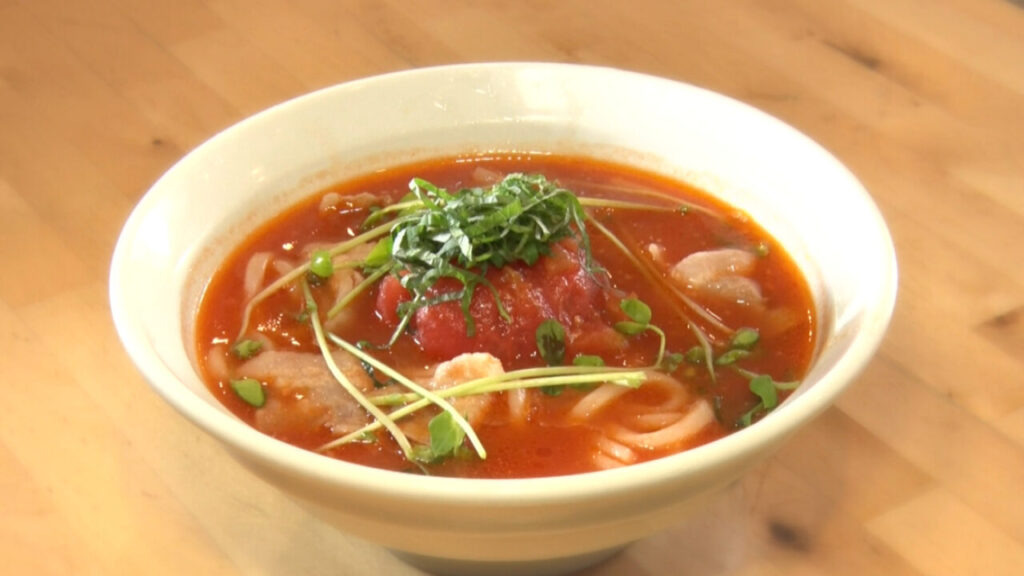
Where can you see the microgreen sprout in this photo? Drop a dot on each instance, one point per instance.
(250, 390)
(742, 345)
(640, 315)
(245, 349)
(320, 264)
(550, 337)
(339, 375)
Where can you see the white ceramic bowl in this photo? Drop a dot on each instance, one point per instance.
(799, 192)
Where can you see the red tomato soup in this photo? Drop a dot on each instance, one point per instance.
(505, 316)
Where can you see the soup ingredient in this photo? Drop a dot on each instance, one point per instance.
(461, 236)
(250, 390)
(411, 331)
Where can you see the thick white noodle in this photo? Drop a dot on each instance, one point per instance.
(596, 400)
(518, 404)
(654, 421)
(603, 461)
(616, 450)
(217, 363)
(255, 270)
(683, 429)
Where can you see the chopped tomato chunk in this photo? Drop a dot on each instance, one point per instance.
(557, 287)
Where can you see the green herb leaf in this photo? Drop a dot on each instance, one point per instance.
(380, 254)
(320, 264)
(246, 349)
(694, 355)
(368, 368)
(460, 236)
(748, 417)
(636, 310)
(745, 339)
(630, 328)
(671, 361)
(250, 390)
(587, 360)
(763, 386)
(731, 356)
(551, 342)
(446, 436)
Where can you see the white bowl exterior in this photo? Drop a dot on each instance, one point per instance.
(794, 188)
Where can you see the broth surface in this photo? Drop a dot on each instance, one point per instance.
(699, 305)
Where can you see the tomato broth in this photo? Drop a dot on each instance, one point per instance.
(664, 281)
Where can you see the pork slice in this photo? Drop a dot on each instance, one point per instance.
(303, 395)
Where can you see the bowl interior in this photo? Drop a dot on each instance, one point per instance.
(794, 188)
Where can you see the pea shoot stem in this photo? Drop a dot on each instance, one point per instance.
(301, 270)
(420, 392)
(378, 414)
(657, 280)
(528, 378)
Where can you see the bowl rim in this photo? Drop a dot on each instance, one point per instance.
(240, 437)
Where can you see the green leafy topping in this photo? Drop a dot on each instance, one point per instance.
(246, 349)
(639, 315)
(320, 264)
(380, 254)
(745, 338)
(551, 342)
(250, 390)
(672, 361)
(550, 337)
(636, 310)
(446, 436)
(365, 345)
(730, 357)
(587, 360)
(695, 355)
(462, 235)
(764, 388)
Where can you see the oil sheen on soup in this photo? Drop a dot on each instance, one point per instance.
(505, 316)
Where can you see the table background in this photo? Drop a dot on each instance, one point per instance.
(919, 469)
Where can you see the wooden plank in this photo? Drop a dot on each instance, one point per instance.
(940, 536)
(166, 472)
(969, 458)
(112, 504)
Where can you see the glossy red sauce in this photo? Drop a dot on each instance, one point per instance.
(549, 444)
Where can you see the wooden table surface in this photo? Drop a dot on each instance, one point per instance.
(919, 468)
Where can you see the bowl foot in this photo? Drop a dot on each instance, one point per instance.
(543, 567)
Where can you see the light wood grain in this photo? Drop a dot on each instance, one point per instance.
(919, 468)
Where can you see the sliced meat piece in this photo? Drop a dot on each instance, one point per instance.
(303, 395)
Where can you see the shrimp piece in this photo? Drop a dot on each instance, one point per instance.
(723, 274)
(463, 368)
